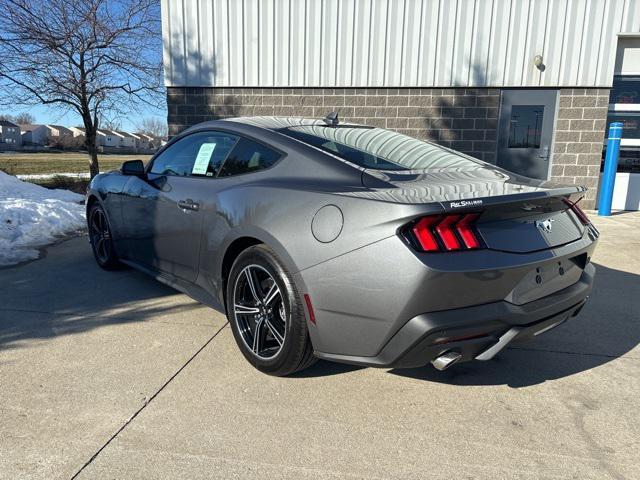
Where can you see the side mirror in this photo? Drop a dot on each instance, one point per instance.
(133, 167)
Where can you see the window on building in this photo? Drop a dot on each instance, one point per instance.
(625, 91)
(525, 128)
(630, 122)
(248, 156)
(624, 107)
(199, 154)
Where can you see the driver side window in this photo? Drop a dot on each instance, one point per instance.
(198, 154)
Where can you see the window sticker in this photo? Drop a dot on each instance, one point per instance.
(202, 160)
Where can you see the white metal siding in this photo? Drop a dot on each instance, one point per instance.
(393, 43)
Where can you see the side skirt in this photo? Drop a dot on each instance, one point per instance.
(194, 291)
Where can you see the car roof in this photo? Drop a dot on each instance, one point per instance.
(266, 122)
(274, 123)
(261, 128)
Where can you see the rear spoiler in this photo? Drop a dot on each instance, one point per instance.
(528, 200)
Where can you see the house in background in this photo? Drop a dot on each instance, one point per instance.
(34, 135)
(59, 131)
(79, 132)
(137, 141)
(67, 138)
(149, 142)
(41, 135)
(111, 139)
(128, 141)
(10, 135)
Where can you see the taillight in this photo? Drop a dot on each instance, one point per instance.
(466, 229)
(446, 230)
(448, 233)
(424, 234)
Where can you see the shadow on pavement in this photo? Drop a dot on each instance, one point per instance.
(326, 369)
(606, 329)
(19, 326)
(66, 293)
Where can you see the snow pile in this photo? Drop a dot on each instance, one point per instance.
(32, 216)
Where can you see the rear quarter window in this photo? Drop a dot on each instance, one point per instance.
(248, 156)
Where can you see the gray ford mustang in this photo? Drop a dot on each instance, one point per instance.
(321, 239)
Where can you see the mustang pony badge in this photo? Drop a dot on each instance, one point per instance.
(545, 225)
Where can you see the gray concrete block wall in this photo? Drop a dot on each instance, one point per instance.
(461, 118)
(579, 137)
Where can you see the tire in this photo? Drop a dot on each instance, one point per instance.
(283, 345)
(101, 239)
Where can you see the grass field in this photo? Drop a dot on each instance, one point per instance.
(46, 163)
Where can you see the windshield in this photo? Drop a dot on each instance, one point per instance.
(378, 148)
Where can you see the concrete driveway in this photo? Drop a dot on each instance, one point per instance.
(113, 375)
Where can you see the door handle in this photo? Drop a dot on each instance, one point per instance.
(189, 204)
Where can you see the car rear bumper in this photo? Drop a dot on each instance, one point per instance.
(477, 332)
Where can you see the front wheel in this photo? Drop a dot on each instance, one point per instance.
(266, 314)
(101, 239)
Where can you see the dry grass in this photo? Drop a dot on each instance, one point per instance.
(66, 162)
(78, 185)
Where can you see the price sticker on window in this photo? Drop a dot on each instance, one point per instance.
(201, 164)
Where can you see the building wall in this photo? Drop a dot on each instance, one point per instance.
(393, 43)
(461, 118)
(36, 136)
(11, 135)
(465, 119)
(579, 135)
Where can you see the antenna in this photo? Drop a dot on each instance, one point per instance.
(332, 119)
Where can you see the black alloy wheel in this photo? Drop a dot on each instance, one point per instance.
(101, 239)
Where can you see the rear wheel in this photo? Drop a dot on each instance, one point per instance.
(266, 314)
(101, 239)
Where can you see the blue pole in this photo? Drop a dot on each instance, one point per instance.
(610, 169)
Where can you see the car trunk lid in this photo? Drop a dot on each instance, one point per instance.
(522, 226)
(518, 215)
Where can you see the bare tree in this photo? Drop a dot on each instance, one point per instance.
(25, 118)
(111, 124)
(153, 126)
(94, 57)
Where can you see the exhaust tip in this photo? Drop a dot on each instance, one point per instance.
(445, 360)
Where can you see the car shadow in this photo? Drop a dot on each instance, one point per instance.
(66, 294)
(326, 369)
(605, 330)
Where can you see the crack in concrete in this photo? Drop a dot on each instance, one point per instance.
(580, 406)
(147, 402)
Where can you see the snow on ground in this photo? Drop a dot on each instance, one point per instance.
(46, 176)
(32, 216)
